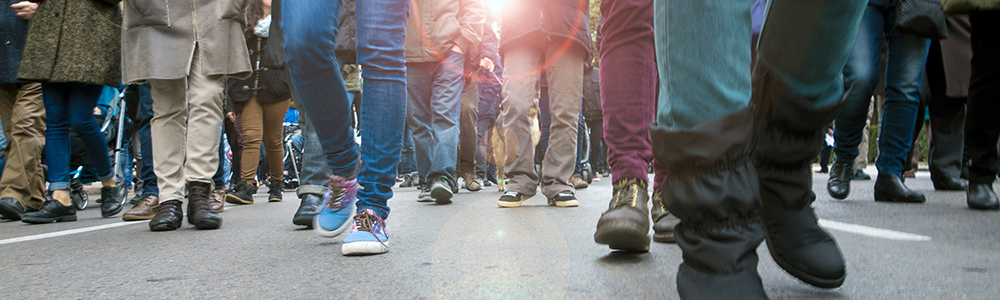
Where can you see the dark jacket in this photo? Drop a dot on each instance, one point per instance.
(558, 20)
(13, 32)
(592, 95)
(490, 83)
(270, 85)
(74, 41)
(346, 37)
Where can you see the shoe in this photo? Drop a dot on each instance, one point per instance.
(911, 173)
(368, 235)
(309, 206)
(218, 200)
(949, 184)
(606, 173)
(10, 209)
(168, 216)
(487, 183)
(860, 175)
(114, 197)
(274, 191)
(144, 210)
(663, 221)
(625, 225)
(823, 171)
(472, 182)
(407, 181)
(839, 184)
(981, 196)
(577, 181)
(890, 188)
(242, 193)
(199, 210)
(417, 181)
(564, 199)
(511, 199)
(52, 211)
(135, 199)
(337, 208)
(441, 191)
(425, 195)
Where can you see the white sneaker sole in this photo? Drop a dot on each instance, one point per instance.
(333, 233)
(365, 248)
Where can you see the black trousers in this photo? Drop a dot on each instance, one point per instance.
(982, 125)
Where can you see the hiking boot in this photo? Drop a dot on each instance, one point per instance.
(577, 181)
(472, 182)
(168, 216)
(52, 211)
(200, 213)
(242, 193)
(144, 210)
(663, 221)
(274, 190)
(625, 225)
(368, 235)
(565, 199)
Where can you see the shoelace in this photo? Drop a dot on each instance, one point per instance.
(341, 193)
(367, 220)
(619, 188)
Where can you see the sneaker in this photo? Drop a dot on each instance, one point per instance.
(275, 189)
(368, 235)
(511, 199)
(564, 200)
(425, 195)
(337, 208)
(472, 182)
(407, 181)
(578, 182)
(242, 193)
(441, 191)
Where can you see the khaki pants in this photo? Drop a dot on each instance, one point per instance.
(564, 72)
(23, 115)
(186, 125)
(262, 121)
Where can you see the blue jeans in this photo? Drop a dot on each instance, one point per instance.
(408, 160)
(66, 105)
(903, 75)
(220, 179)
(434, 92)
(312, 177)
(146, 174)
(310, 27)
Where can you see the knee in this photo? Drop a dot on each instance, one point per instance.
(84, 123)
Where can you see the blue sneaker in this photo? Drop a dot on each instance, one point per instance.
(368, 235)
(337, 208)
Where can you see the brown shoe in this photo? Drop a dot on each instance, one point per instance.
(578, 182)
(144, 210)
(471, 182)
(217, 200)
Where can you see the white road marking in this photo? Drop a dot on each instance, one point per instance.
(65, 232)
(873, 232)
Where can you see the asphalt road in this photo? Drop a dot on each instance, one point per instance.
(472, 249)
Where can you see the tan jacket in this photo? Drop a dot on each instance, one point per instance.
(160, 37)
(435, 26)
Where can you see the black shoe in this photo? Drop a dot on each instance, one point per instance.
(52, 211)
(663, 221)
(860, 175)
(625, 225)
(564, 199)
(10, 209)
(274, 190)
(949, 184)
(823, 171)
(890, 188)
(981, 196)
(241, 193)
(168, 216)
(200, 213)
(114, 197)
(308, 208)
(839, 184)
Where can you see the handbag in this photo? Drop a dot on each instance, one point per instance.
(963, 6)
(921, 17)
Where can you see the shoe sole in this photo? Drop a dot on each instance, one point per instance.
(31, 220)
(236, 200)
(622, 235)
(112, 213)
(364, 248)
(164, 227)
(664, 237)
(425, 199)
(274, 200)
(570, 203)
(336, 232)
(137, 217)
(441, 195)
(304, 220)
(802, 275)
(208, 225)
(883, 198)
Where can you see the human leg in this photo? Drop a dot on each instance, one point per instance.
(273, 118)
(981, 128)
(251, 119)
(518, 93)
(469, 133)
(204, 99)
(83, 99)
(23, 114)
(564, 72)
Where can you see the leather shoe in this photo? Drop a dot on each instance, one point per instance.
(308, 208)
(144, 210)
(839, 184)
(663, 221)
(114, 197)
(168, 217)
(981, 196)
(200, 212)
(890, 188)
(218, 200)
(948, 184)
(626, 222)
(52, 211)
(10, 209)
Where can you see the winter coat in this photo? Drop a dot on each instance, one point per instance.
(434, 26)
(13, 32)
(269, 85)
(592, 95)
(161, 37)
(956, 54)
(74, 41)
(558, 20)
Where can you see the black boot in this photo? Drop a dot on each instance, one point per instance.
(626, 223)
(308, 209)
(890, 188)
(663, 221)
(711, 186)
(52, 211)
(200, 213)
(787, 133)
(274, 190)
(981, 196)
(114, 197)
(241, 193)
(168, 216)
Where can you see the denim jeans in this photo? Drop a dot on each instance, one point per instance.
(224, 167)
(434, 92)
(312, 176)
(485, 149)
(310, 27)
(72, 105)
(903, 75)
(146, 174)
(407, 160)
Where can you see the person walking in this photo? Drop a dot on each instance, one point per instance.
(982, 130)
(73, 49)
(149, 200)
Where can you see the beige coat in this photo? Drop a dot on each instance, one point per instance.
(435, 26)
(160, 37)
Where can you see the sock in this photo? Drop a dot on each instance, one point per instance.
(62, 196)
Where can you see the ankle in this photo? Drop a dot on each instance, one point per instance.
(62, 196)
(109, 182)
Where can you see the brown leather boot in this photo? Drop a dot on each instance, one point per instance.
(218, 200)
(199, 208)
(144, 210)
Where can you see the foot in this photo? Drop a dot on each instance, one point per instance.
(890, 188)
(663, 221)
(218, 200)
(407, 181)
(564, 199)
(839, 184)
(368, 235)
(949, 184)
(52, 211)
(425, 195)
(135, 199)
(337, 208)
(144, 210)
(800, 246)
(242, 193)
(577, 181)
(168, 216)
(981, 196)
(511, 199)
(274, 191)
(625, 225)
(200, 213)
(823, 171)
(10, 209)
(309, 206)
(441, 191)
(860, 175)
(472, 182)
(114, 197)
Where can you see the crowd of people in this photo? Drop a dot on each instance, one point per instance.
(727, 103)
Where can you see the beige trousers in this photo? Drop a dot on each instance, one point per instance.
(23, 114)
(186, 126)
